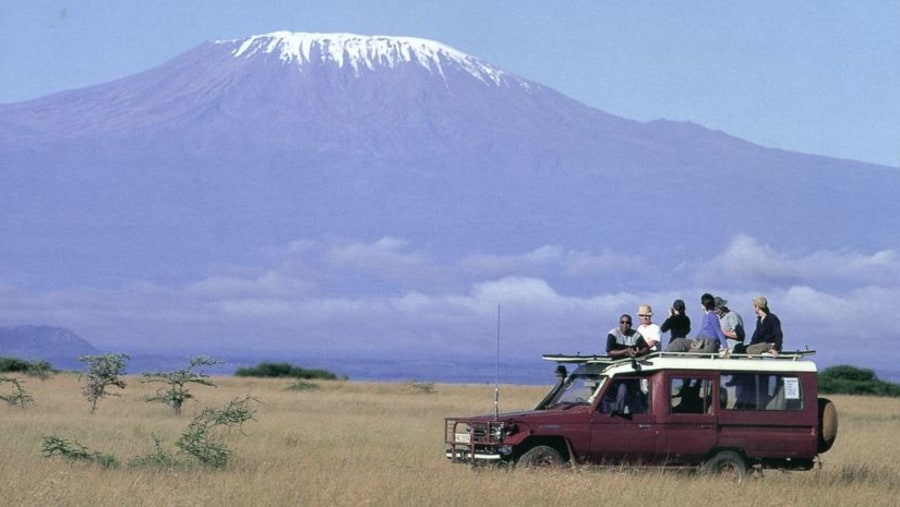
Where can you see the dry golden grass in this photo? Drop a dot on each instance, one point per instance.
(351, 444)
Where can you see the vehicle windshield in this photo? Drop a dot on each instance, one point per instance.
(577, 390)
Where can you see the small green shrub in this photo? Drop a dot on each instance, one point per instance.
(159, 458)
(74, 451)
(203, 439)
(18, 396)
(420, 387)
(303, 385)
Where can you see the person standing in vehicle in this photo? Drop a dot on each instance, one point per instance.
(650, 331)
(767, 336)
(678, 324)
(732, 326)
(623, 341)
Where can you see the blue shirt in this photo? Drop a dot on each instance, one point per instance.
(710, 328)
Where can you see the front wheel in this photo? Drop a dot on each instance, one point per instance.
(541, 456)
(727, 464)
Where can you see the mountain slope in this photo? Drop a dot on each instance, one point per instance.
(260, 141)
(59, 346)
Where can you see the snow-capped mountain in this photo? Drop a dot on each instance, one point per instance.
(243, 143)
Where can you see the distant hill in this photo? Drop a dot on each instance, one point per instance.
(59, 346)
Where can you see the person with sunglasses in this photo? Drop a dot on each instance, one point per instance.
(623, 341)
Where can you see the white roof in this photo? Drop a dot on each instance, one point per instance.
(704, 363)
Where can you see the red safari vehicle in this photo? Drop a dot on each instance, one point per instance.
(734, 415)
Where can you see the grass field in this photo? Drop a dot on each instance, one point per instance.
(353, 443)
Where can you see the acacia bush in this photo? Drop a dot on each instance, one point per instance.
(177, 381)
(73, 451)
(17, 396)
(846, 379)
(204, 438)
(105, 370)
(282, 370)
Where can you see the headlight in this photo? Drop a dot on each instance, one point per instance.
(498, 432)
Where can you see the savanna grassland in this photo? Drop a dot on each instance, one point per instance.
(355, 443)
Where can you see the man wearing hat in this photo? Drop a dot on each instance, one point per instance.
(732, 325)
(648, 329)
(767, 335)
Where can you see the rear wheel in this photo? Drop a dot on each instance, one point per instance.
(727, 464)
(541, 456)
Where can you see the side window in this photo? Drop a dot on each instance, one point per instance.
(691, 395)
(626, 396)
(760, 391)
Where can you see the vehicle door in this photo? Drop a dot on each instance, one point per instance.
(688, 428)
(623, 427)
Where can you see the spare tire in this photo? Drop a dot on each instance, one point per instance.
(828, 424)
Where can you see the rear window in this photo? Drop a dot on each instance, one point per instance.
(760, 391)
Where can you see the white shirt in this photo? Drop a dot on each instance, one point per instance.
(652, 335)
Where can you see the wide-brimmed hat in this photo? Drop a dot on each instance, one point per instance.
(721, 303)
(645, 310)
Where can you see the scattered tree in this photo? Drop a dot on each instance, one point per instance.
(177, 392)
(103, 371)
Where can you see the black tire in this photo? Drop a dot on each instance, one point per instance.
(727, 463)
(540, 456)
(828, 424)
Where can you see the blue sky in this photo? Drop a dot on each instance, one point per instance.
(810, 76)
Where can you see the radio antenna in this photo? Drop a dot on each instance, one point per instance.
(497, 371)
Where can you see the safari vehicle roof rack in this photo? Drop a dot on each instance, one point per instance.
(788, 355)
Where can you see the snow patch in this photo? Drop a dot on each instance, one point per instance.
(361, 51)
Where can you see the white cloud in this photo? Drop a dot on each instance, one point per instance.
(268, 283)
(580, 263)
(547, 256)
(833, 301)
(554, 260)
(747, 261)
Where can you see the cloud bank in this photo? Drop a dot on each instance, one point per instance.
(387, 297)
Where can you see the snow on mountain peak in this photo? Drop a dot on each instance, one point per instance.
(362, 51)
